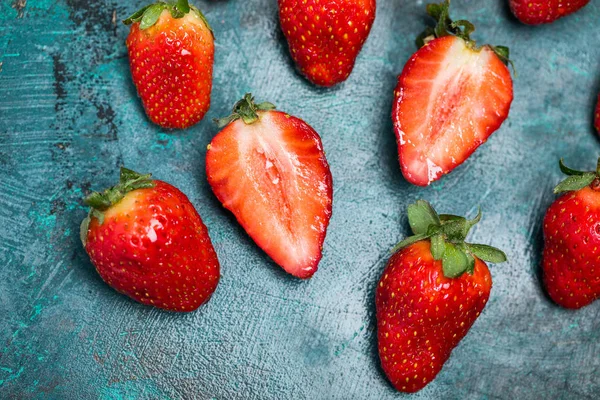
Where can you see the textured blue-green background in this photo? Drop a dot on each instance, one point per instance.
(69, 116)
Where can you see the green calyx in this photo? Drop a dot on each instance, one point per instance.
(447, 234)
(148, 15)
(246, 110)
(445, 26)
(578, 179)
(99, 202)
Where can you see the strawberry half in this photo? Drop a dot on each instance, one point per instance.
(171, 53)
(571, 261)
(269, 169)
(535, 12)
(431, 292)
(147, 241)
(450, 97)
(325, 36)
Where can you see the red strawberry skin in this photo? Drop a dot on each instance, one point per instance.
(597, 116)
(448, 101)
(325, 36)
(171, 65)
(153, 247)
(422, 315)
(535, 12)
(571, 266)
(273, 176)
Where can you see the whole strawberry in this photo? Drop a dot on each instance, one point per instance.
(571, 266)
(450, 97)
(432, 290)
(147, 241)
(535, 12)
(171, 53)
(269, 169)
(325, 36)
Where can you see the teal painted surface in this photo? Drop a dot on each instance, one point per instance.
(69, 116)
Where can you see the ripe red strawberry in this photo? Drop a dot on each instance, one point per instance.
(597, 116)
(269, 169)
(171, 53)
(571, 261)
(325, 36)
(450, 97)
(147, 241)
(431, 292)
(535, 12)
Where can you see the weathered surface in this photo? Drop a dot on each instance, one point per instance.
(69, 116)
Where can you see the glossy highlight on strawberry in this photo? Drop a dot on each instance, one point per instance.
(269, 169)
(148, 242)
(171, 54)
(431, 292)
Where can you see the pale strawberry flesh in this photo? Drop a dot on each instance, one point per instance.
(273, 175)
(448, 101)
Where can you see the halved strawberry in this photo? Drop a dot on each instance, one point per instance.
(450, 97)
(269, 169)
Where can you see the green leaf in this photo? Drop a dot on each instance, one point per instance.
(467, 28)
(183, 6)
(408, 241)
(471, 263)
(420, 216)
(265, 106)
(438, 246)
(136, 16)
(83, 230)
(425, 37)
(568, 171)
(97, 200)
(486, 253)
(454, 261)
(151, 15)
(575, 182)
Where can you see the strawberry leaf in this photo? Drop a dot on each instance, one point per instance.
(421, 216)
(454, 261)
(438, 246)
(408, 241)
(136, 16)
(568, 171)
(246, 110)
(486, 253)
(129, 180)
(575, 182)
(151, 15)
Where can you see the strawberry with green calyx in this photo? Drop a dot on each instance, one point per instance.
(269, 169)
(431, 292)
(451, 96)
(148, 242)
(571, 269)
(171, 54)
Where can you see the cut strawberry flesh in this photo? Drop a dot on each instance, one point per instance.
(273, 175)
(449, 100)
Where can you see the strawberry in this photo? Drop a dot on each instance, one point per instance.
(571, 260)
(431, 292)
(269, 169)
(325, 36)
(147, 241)
(171, 53)
(597, 116)
(450, 97)
(535, 12)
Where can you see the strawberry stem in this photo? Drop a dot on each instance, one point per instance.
(447, 234)
(246, 110)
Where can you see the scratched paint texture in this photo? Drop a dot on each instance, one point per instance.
(69, 116)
